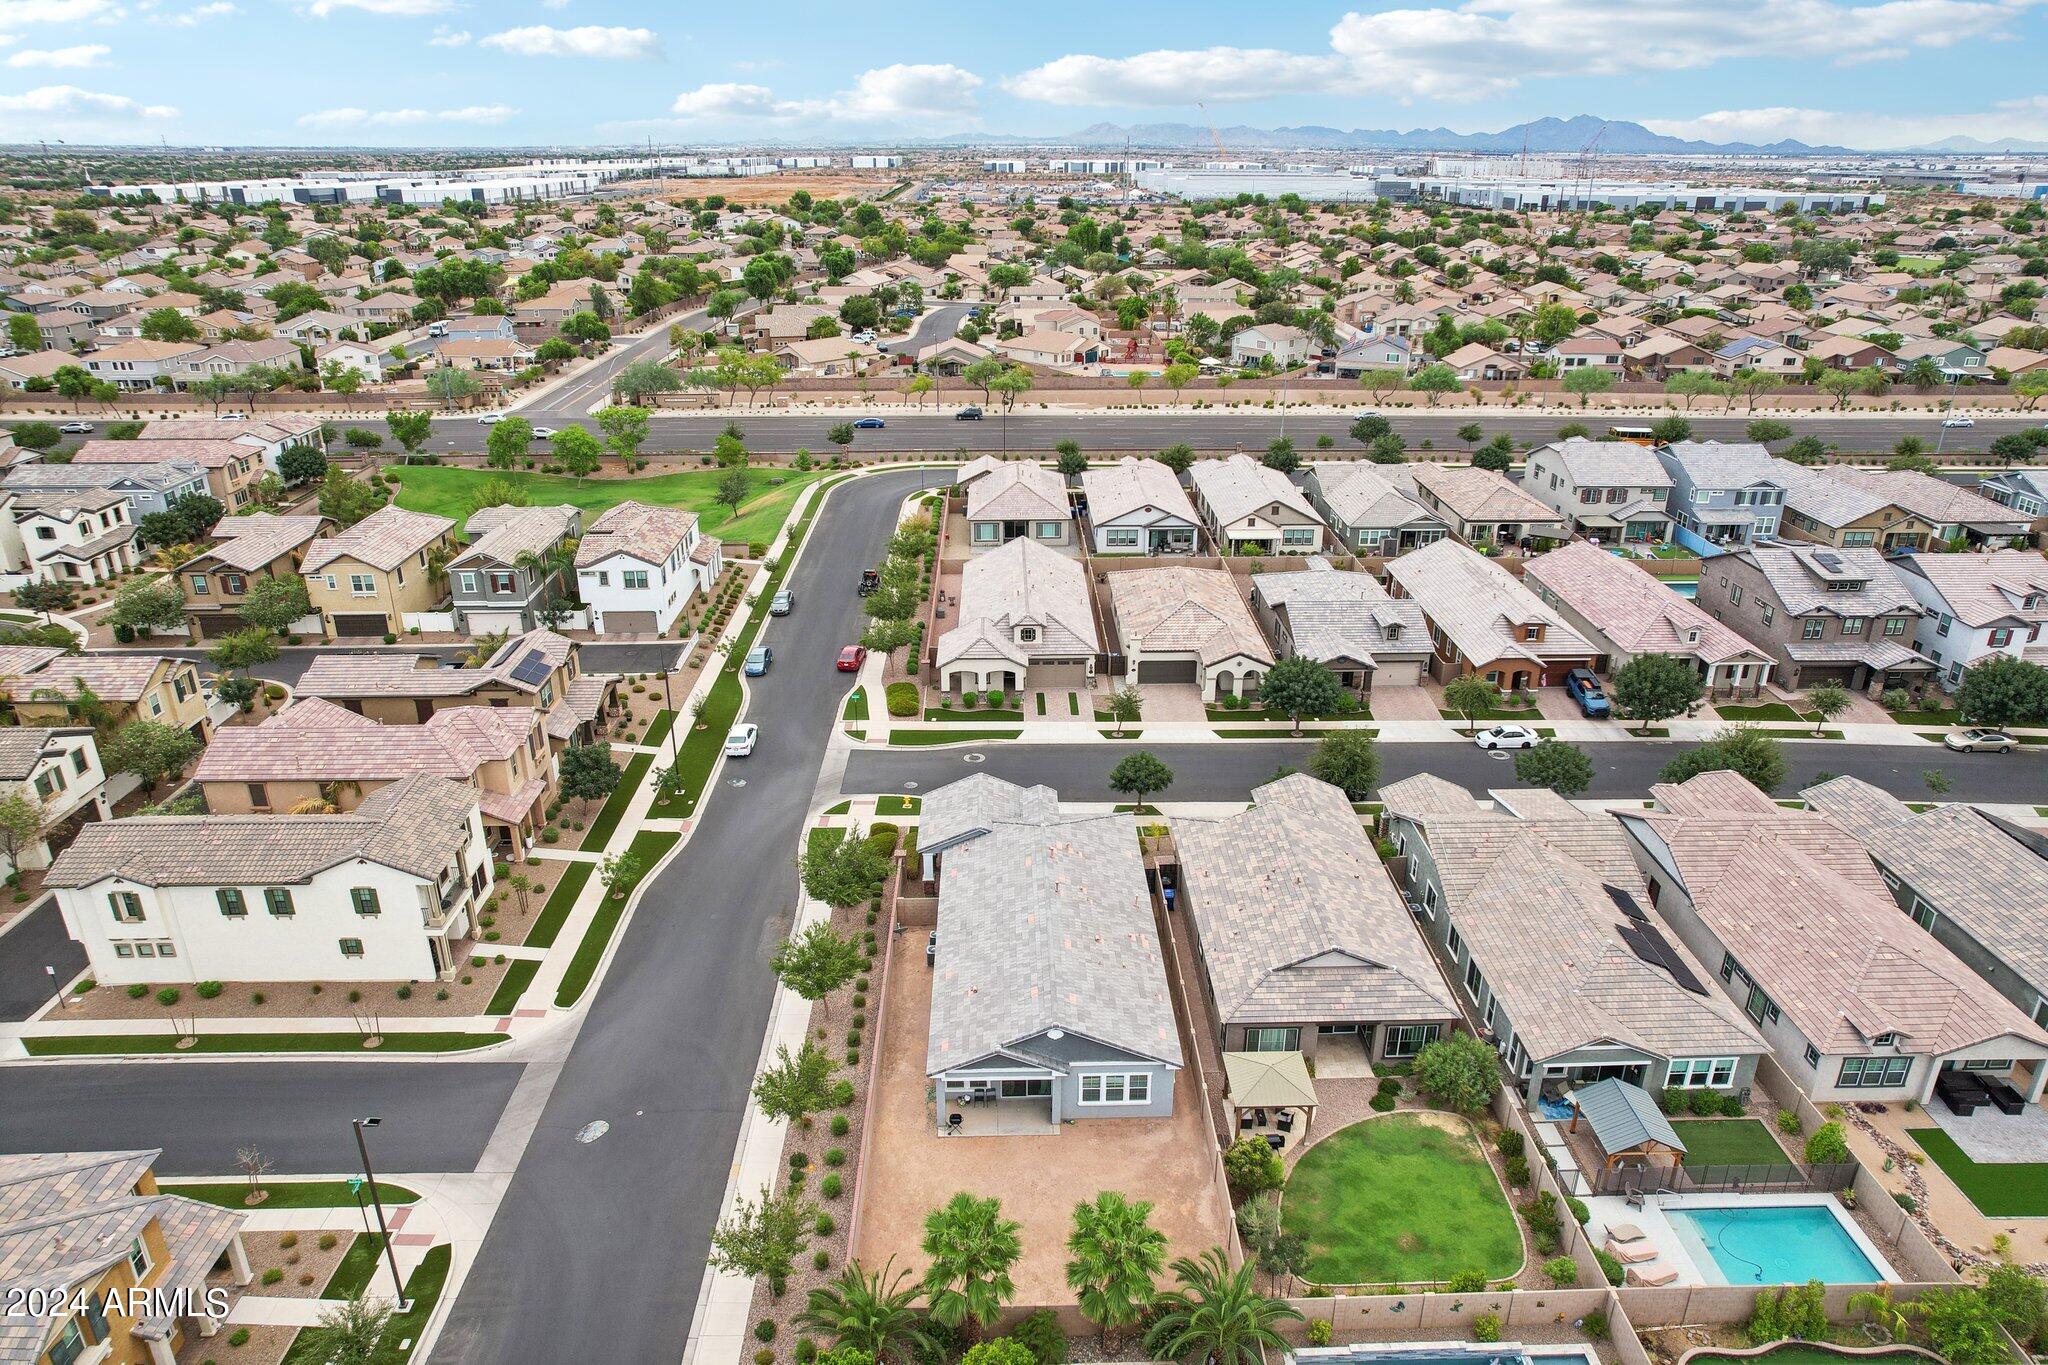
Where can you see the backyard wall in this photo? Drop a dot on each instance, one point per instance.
(880, 1003)
(1427, 1317)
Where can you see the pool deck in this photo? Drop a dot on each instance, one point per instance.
(1672, 1251)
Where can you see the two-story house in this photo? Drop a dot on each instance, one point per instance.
(141, 365)
(1957, 516)
(245, 551)
(148, 487)
(1483, 621)
(46, 686)
(1481, 507)
(1283, 345)
(1723, 494)
(1250, 509)
(1976, 606)
(1824, 616)
(515, 574)
(60, 770)
(1371, 509)
(2025, 491)
(1606, 491)
(637, 567)
(1009, 500)
(1824, 508)
(1024, 621)
(80, 538)
(1344, 621)
(232, 468)
(366, 579)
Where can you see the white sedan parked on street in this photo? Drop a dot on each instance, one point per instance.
(1507, 737)
(740, 740)
(490, 419)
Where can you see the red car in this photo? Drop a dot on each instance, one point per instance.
(851, 658)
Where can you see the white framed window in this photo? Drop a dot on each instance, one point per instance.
(466, 583)
(1700, 1073)
(362, 585)
(138, 1258)
(633, 579)
(126, 905)
(1121, 536)
(1116, 1087)
(1298, 535)
(1051, 530)
(1868, 1073)
(987, 532)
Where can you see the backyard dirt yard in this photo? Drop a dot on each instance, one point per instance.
(1040, 1178)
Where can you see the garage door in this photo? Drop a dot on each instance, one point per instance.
(629, 623)
(214, 623)
(1166, 670)
(1067, 673)
(360, 623)
(1407, 673)
(493, 622)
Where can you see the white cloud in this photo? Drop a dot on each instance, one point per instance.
(395, 9)
(445, 36)
(60, 58)
(1480, 48)
(66, 109)
(554, 4)
(2023, 120)
(887, 94)
(591, 40)
(14, 13)
(332, 119)
(197, 15)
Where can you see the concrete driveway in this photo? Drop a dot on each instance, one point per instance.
(914, 1169)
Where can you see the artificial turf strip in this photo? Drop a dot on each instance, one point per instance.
(116, 1044)
(1770, 710)
(2017, 1189)
(1399, 1200)
(517, 978)
(607, 822)
(898, 805)
(423, 1290)
(649, 847)
(1729, 1142)
(287, 1194)
(358, 1264)
(658, 731)
(927, 737)
(556, 912)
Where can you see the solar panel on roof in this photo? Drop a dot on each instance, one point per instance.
(1829, 561)
(532, 670)
(1625, 902)
(1649, 945)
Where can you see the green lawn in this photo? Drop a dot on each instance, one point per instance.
(560, 900)
(422, 1290)
(1492, 713)
(359, 1265)
(856, 705)
(630, 780)
(452, 492)
(948, 736)
(289, 1194)
(898, 805)
(1770, 710)
(116, 1044)
(663, 723)
(1398, 1200)
(974, 713)
(1728, 1142)
(517, 978)
(649, 847)
(2016, 1189)
(1249, 713)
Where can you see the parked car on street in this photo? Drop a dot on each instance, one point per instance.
(968, 414)
(851, 658)
(1980, 741)
(782, 604)
(1507, 737)
(76, 428)
(1582, 687)
(739, 741)
(758, 659)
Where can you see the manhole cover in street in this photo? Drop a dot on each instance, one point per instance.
(736, 782)
(1500, 754)
(974, 758)
(592, 1131)
(910, 786)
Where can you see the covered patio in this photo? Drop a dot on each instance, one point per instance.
(1270, 1092)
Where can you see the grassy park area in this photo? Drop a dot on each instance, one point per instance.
(451, 492)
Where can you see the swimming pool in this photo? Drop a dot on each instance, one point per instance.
(1684, 587)
(1772, 1244)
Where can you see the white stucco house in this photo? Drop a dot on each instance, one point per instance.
(637, 566)
(1137, 507)
(1978, 606)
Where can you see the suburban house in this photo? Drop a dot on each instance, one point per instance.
(93, 1236)
(1285, 346)
(2023, 490)
(512, 575)
(148, 488)
(80, 538)
(1250, 509)
(1368, 353)
(367, 579)
(1722, 495)
(1970, 880)
(1856, 1001)
(1303, 942)
(483, 353)
(1483, 621)
(637, 567)
(1541, 918)
(316, 752)
(246, 550)
(1137, 507)
(383, 893)
(1954, 514)
(1975, 606)
(1182, 625)
(141, 365)
(539, 670)
(1006, 500)
(1604, 490)
(60, 770)
(41, 682)
(1823, 508)
(1481, 507)
(1371, 509)
(1346, 621)
(1625, 612)
(231, 467)
(1050, 348)
(1824, 616)
(1049, 988)
(1025, 621)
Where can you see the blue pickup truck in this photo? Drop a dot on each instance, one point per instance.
(1582, 687)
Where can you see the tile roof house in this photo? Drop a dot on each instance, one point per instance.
(1625, 612)
(511, 575)
(366, 579)
(538, 669)
(1049, 987)
(1138, 507)
(1603, 490)
(638, 565)
(1824, 508)
(1482, 620)
(60, 769)
(1539, 914)
(92, 1235)
(1723, 493)
(1008, 500)
(1344, 620)
(1249, 508)
(1481, 507)
(1305, 945)
(1855, 1000)
(41, 681)
(383, 893)
(1975, 606)
(1953, 513)
(246, 549)
(1182, 625)
(1371, 509)
(1024, 620)
(1824, 616)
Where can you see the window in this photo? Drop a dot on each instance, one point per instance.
(126, 905)
(603, 577)
(1885, 1040)
(503, 581)
(199, 585)
(2001, 637)
(233, 584)
(987, 532)
(1760, 1007)
(1895, 625)
(1405, 1040)
(1870, 1073)
(1116, 1087)
(278, 901)
(1812, 1055)
(1810, 630)
(1941, 624)
(79, 762)
(365, 898)
(1454, 942)
(1735, 596)
(231, 902)
(1989, 1064)
(181, 687)
(1474, 980)
(69, 1345)
(1770, 615)
(1298, 535)
(633, 579)
(466, 583)
(362, 585)
(1855, 540)
(1852, 625)
(351, 947)
(1051, 530)
(124, 950)
(1122, 536)
(1922, 913)
(138, 1258)
(1700, 1073)
(49, 783)
(1272, 1040)
(1727, 966)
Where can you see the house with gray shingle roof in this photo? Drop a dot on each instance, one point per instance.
(1304, 942)
(1371, 508)
(1345, 621)
(1250, 509)
(1542, 919)
(1025, 621)
(1049, 987)
(1603, 490)
(1723, 494)
(1137, 507)
(1802, 934)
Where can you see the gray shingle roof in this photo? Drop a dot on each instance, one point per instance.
(1604, 463)
(1337, 615)
(1623, 1116)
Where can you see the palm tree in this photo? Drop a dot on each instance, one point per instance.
(1216, 1314)
(1117, 1254)
(486, 645)
(972, 1247)
(859, 1310)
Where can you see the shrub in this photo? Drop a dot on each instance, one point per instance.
(1906, 1201)
(1562, 1270)
(327, 1240)
(805, 1351)
(1460, 1072)
(273, 1275)
(1732, 1106)
(902, 698)
(1384, 1103)
(1251, 1167)
(137, 991)
(1486, 1327)
(1319, 1331)
(1671, 1101)
(1610, 1266)
(764, 1330)
(1040, 1334)
(830, 1186)
(1509, 1142)
(1827, 1145)
(168, 996)
(1580, 1213)
(840, 1124)
(288, 1241)
(764, 1356)
(1541, 1215)
(824, 1225)
(1595, 1324)
(239, 1337)
(1788, 1122)
(1465, 1282)
(797, 1161)
(835, 1156)
(1389, 1085)
(1518, 1171)
(820, 1259)
(1704, 1103)
(207, 990)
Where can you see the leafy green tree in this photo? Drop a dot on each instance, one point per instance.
(1139, 775)
(762, 1238)
(1251, 1167)
(1349, 759)
(818, 961)
(1073, 461)
(1471, 696)
(410, 429)
(971, 1248)
(586, 329)
(1471, 433)
(507, 444)
(1962, 1327)
(451, 386)
(1766, 430)
(244, 649)
(2017, 1298)
(1125, 705)
(1828, 701)
(1497, 455)
(1277, 1252)
(1740, 749)
(1807, 450)
(797, 1085)
(1459, 1071)
(168, 324)
(589, 773)
(1691, 384)
(1563, 768)
(578, 450)
(1178, 457)
(732, 490)
(350, 1332)
(1280, 456)
(37, 435)
(302, 464)
(151, 750)
(1216, 1315)
(23, 334)
(54, 594)
(1370, 428)
(1667, 431)
(1299, 686)
(2002, 691)
(644, 379)
(1654, 687)
(1115, 1256)
(1435, 380)
(1178, 376)
(347, 500)
(274, 603)
(873, 1312)
(842, 873)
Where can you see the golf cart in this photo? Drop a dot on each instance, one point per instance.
(870, 582)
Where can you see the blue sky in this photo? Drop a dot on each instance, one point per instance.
(574, 72)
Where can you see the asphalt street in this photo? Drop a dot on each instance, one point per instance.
(605, 1242)
(575, 396)
(35, 940)
(1228, 769)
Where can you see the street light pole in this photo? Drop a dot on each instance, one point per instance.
(383, 1229)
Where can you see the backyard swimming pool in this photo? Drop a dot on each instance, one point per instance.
(1773, 1244)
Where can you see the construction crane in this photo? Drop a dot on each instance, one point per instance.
(1582, 175)
(1214, 136)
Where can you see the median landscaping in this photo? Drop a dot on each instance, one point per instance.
(119, 1044)
(647, 849)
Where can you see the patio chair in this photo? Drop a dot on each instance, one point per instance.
(2002, 1093)
(1652, 1276)
(1630, 1253)
(1245, 1122)
(1284, 1120)
(1625, 1232)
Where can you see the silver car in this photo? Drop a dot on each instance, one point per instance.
(1980, 741)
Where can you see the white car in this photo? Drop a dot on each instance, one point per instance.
(1507, 737)
(543, 433)
(1959, 421)
(490, 419)
(234, 417)
(76, 428)
(739, 741)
